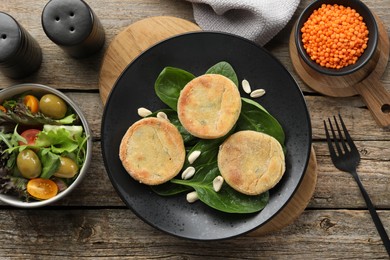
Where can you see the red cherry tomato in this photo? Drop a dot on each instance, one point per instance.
(30, 135)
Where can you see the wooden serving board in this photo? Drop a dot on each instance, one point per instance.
(145, 33)
(132, 41)
(364, 82)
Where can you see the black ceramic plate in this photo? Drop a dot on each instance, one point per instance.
(196, 52)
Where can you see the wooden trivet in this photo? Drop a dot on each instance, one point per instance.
(135, 39)
(364, 82)
(132, 41)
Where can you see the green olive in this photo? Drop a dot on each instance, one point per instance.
(52, 106)
(67, 169)
(29, 164)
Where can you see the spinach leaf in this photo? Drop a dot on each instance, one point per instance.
(174, 119)
(225, 69)
(170, 189)
(227, 199)
(169, 84)
(255, 117)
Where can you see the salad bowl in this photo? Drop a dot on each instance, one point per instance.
(38, 91)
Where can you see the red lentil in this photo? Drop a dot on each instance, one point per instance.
(334, 36)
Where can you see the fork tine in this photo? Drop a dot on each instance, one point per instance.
(346, 133)
(340, 134)
(335, 139)
(329, 141)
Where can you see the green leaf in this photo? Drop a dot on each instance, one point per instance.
(60, 141)
(227, 199)
(50, 163)
(256, 118)
(169, 84)
(225, 69)
(170, 189)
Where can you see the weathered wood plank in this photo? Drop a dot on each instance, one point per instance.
(119, 234)
(63, 72)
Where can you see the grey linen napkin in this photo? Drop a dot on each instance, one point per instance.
(257, 20)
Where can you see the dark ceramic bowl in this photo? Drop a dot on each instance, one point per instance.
(371, 24)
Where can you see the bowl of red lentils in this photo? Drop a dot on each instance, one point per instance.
(336, 37)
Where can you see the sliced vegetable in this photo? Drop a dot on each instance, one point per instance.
(3, 109)
(42, 189)
(30, 135)
(32, 103)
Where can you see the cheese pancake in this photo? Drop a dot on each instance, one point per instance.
(152, 151)
(209, 106)
(251, 162)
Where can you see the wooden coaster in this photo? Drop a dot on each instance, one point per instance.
(364, 82)
(141, 35)
(132, 41)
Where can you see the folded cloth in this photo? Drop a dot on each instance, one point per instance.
(257, 20)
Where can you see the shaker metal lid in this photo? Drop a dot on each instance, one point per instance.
(10, 37)
(67, 22)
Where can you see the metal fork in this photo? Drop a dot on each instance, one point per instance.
(346, 158)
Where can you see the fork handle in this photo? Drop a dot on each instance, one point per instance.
(374, 214)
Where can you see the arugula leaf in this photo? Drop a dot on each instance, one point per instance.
(169, 84)
(227, 199)
(225, 69)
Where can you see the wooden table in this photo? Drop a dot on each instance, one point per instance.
(93, 221)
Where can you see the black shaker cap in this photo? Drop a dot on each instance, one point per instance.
(67, 22)
(10, 37)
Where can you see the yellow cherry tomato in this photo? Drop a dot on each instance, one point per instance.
(42, 189)
(32, 103)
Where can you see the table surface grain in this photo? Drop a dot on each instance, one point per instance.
(93, 221)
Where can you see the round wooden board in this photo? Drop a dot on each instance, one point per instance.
(364, 82)
(132, 41)
(136, 38)
(342, 86)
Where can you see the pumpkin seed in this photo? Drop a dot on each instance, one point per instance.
(192, 197)
(188, 173)
(193, 156)
(144, 112)
(245, 86)
(217, 183)
(257, 93)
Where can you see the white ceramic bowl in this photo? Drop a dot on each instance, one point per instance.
(41, 90)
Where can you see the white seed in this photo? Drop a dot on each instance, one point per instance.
(192, 197)
(162, 115)
(257, 93)
(217, 183)
(144, 112)
(188, 173)
(193, 156)
(245, 86)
